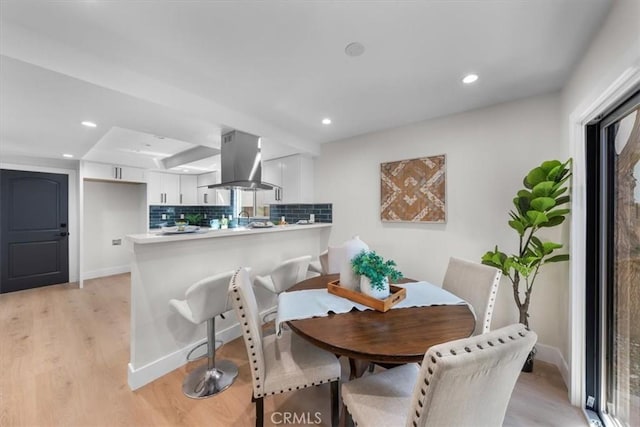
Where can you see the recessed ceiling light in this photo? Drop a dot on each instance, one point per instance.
(469, 78)
(326, 121)
(67, 155)
(89, 124)
(354, 49)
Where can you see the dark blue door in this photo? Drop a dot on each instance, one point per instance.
(34, 243)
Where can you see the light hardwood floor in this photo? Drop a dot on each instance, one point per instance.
(63, 362)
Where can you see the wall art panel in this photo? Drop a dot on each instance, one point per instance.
(413, 190)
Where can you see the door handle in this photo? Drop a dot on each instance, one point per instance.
(63, 234)
(181, 198)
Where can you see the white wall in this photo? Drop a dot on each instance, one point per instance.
(111, 211)
(488, 153)
(615, 49)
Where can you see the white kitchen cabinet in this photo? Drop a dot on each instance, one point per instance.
(271, 174)
(163, 188)
(220, 197)
(211, 196)
(188, 189)
(207, 179)
(294, 176)
(130, 174)
(246, 198)
(109, 172)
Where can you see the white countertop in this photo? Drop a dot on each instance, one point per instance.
(206, 233)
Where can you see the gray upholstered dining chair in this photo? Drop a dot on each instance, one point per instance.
(280, 364)
(466, 382)
(478, 285)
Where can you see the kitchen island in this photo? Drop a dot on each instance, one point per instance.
(164, 266)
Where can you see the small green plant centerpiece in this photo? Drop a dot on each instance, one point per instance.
(375, 273)
(537, 206)
(194, 219)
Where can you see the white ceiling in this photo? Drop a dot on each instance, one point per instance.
(41, 111)
(143, 150)
(188, 70)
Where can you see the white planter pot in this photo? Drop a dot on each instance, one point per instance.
(365, 288)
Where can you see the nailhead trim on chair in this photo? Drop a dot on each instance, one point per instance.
(492, 301)
(423, 390)
(250, 350)
(246, 332)
(457, 276)
(297, 387)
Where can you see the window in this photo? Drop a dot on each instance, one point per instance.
(613, 265)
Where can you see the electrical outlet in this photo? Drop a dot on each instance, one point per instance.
(181, 216)
(164, 216)
(116, 242)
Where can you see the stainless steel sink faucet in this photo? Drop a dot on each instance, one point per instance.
(246, 214)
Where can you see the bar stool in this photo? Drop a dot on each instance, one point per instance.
(284, 276)
(329, 261)
(204, 301)
(321, 265)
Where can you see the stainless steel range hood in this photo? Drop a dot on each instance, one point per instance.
(241, 162)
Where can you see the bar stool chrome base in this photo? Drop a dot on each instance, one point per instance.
(204, 382)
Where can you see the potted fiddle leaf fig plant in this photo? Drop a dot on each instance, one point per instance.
(375, 273)
(537, 206)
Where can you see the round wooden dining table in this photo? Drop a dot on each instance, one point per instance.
(397, 336)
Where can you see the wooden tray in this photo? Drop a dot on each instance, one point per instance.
(397, 294)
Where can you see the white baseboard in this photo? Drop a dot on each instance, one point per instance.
(156, 369)
(103, 272)
(550, 354)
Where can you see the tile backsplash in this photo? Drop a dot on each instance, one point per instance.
(207, 213)
(292, 213)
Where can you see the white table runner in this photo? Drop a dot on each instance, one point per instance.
(298, 305)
